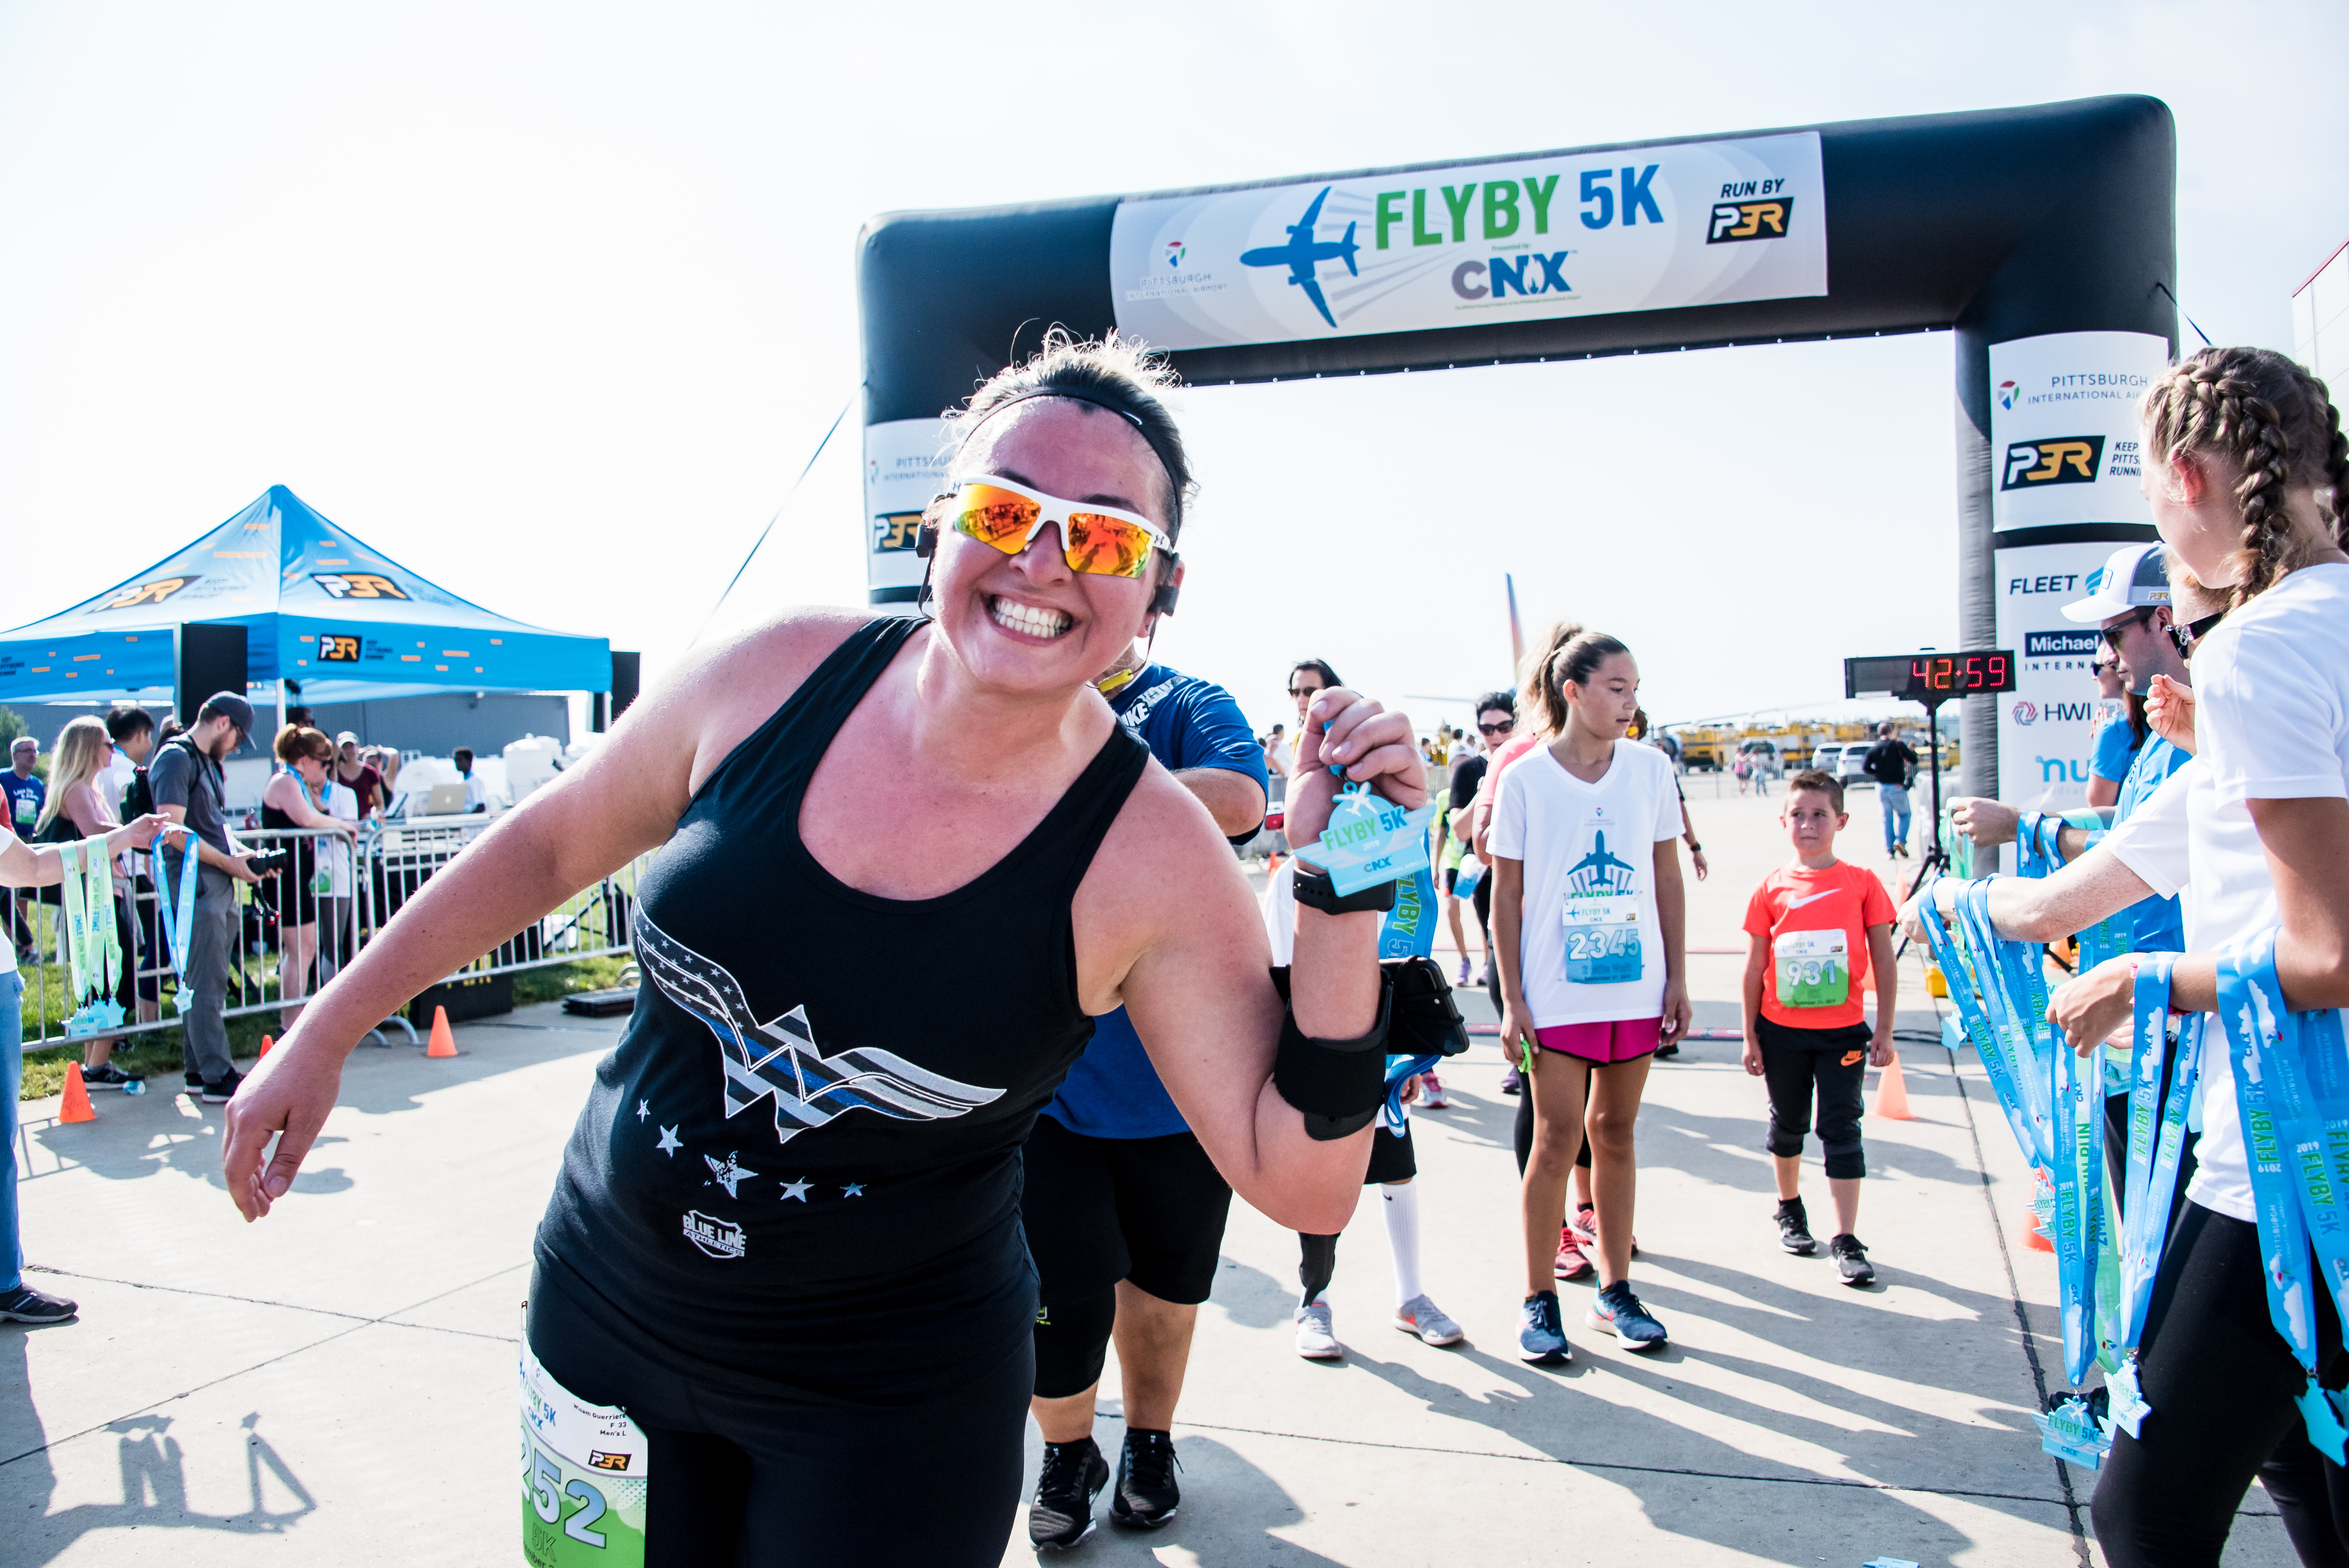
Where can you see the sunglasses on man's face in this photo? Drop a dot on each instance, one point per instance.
(1101, 539)
(1503, 728)
(1305, 691)
(2113, 635)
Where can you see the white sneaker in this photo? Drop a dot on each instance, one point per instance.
(1422, 1317)
(1430, 1093)
(1316, 1339)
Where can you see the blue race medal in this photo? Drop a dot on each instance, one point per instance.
(179, 926)
(93, 947)
(1368, 841)
(2290, 1095)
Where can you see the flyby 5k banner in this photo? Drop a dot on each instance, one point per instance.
(2064, 455)
(1591, 233)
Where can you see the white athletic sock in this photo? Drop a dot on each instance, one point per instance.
(1402, 1209)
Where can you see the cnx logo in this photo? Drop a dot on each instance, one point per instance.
(2056, 460)
(1530, 274)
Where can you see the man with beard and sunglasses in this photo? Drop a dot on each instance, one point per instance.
(898, 866)
(1123, 1210)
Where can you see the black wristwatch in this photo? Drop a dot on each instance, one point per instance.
(1695, 848)
(1315, 890)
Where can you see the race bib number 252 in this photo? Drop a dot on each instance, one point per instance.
(582, 1478)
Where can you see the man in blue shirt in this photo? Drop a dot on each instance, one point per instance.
(1123, 1210)
(22, 793)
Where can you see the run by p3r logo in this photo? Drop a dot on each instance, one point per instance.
(357, 585)
(2052, 461)
(1764, 218)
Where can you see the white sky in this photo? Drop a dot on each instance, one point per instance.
(552, 303)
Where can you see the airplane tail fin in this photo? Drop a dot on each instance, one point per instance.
(1349, 243)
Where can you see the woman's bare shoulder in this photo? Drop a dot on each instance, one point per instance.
(731, 687)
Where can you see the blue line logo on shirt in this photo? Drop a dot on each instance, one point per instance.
(781, 1058)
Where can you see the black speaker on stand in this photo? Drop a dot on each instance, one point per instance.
(209, 658)
(610, 707)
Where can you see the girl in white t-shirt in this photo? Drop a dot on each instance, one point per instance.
(2248, 479)
(1587, 926)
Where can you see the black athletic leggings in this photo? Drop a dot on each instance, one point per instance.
(738, 1478)
(2222, 1383)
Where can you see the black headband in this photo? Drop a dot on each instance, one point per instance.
(1157, 444)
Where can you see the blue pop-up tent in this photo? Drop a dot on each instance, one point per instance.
(346, 622)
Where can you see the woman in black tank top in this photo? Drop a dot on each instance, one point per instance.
(902, 867)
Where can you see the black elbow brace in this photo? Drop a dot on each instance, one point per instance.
(1336, 1084)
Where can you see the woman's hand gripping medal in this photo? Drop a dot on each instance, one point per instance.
(1374, 748)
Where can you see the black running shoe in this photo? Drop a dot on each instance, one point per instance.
(106, 1075)
(26, 1304)
(1146, 1495)
(223, 1090)
(1062, 1514)
(1794, 1229)
(1851, 1261)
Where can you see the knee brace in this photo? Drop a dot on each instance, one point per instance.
(1316, 1264)
(1073, 1342)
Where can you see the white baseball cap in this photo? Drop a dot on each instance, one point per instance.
(2136, 576)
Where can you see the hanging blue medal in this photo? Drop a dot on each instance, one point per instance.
(177, 916)
(1953, 954)
(2156, 1139)
(94, 950)
(2293, 1195)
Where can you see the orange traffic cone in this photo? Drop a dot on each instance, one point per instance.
(266, 1041)
(2034, 1235)
(1892, 1093)
(444, 1044)
(77, 1107)
(1273, 865)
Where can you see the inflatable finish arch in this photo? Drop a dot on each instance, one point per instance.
(2045, 237)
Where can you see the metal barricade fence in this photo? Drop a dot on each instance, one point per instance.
(298, 926)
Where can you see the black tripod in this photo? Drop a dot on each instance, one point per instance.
(1935, 858)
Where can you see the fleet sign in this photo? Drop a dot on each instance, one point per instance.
(1630, 229)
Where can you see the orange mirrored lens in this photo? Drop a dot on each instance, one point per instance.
(996, 517)
(1106, 546)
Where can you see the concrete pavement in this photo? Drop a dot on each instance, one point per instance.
(337, 1385)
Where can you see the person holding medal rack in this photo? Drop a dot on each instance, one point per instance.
(23, 865)
(903, 864)
(2236, 1335)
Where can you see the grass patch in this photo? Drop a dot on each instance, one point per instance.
(156, 1056)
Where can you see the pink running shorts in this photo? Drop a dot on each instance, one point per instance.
(1618, 1041)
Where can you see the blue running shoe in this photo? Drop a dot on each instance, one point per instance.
(1540, 1338)
(1617, 1311)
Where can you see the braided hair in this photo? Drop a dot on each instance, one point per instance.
(2275, 422)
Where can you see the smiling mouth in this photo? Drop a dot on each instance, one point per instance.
(1027, 619)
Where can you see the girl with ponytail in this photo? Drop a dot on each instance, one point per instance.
(1589, 929)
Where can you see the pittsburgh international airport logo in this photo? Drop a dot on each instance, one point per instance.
(2006, 395)
(1176, 251)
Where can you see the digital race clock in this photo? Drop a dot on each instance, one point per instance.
(1929, 678)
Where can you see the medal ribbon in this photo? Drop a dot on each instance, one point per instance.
(2291, 1116)
(1407, 930)
(1955, 962)
(2156, 1137)
(180, 927)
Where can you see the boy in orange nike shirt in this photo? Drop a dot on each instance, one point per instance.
(1815, 930)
